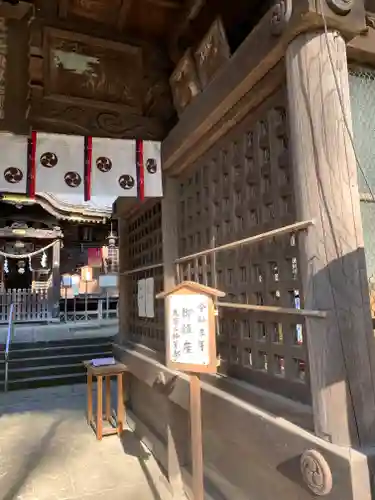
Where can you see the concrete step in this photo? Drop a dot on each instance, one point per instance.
(44, 349)
(46, 381)
(45, 371)
(43, 364)
(61, 360)
(62, 342)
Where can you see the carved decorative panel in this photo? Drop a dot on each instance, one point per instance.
(145, 249)
(97, 10)
(184, 82)
(92, 68)
(241, 188)
(212, 53)
(90, 86)
(65, 117)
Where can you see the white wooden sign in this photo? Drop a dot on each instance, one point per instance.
(150, 298)
(189, 329)
(141, 297)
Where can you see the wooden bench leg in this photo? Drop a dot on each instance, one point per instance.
(108, 398)
(120, 404)
(89, 398)
(99, 416)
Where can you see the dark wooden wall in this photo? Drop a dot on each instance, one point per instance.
(143, 244)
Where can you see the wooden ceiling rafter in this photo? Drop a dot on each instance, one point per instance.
(166, 4)
(63, 8)
(124, 13)
(189, 13)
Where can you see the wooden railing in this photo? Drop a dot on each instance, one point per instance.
(29, 305)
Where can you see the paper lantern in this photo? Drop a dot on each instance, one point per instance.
(86, 273)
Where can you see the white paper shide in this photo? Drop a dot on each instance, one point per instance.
(189, 329)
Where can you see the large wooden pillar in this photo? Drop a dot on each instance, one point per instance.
(176, 433)
(124, 297)
(3, 64)
(332, 255)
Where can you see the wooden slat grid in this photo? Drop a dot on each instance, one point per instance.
(145, 249)
(244, 187)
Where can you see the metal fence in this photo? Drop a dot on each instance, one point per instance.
(35, 306)
(362, 94)
(88, 308)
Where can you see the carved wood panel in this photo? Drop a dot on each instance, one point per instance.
(213, 52)
(244, 187)
(184, 82)
(84, 85)
(97, 10)
(86, 67)
(144, 240)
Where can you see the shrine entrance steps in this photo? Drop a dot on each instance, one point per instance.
(40, 364)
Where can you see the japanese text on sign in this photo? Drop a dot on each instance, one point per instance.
(189, 329)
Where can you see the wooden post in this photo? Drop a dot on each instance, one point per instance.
(123, 280)
(3, 64)
(56, 279)
(332, 255)
(99, 407)
(196, 436)
(175, 434)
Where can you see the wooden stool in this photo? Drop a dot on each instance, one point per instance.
(117, 422)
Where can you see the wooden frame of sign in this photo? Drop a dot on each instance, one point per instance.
(187, 305)
(191, 339)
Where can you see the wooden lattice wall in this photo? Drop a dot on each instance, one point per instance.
(244, 187)
(144, 242)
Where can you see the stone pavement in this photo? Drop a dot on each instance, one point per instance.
(47, 451)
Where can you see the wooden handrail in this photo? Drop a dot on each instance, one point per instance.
(7, 345)
(307, 313)
(292, 228)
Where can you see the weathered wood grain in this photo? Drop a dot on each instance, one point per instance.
(175, 439)
(332, 254)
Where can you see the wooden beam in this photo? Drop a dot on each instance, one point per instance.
(123, 14)
(332, 260)
(165, 4)
(17, 11)
(63, 8)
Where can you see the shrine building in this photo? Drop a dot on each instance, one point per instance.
(229, 145)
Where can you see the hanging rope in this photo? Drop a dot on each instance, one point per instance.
(26, 255)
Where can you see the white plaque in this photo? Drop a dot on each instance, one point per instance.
(108, 280)
(141, 296)
(189, 329)
(66, 281)
(150, 298)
